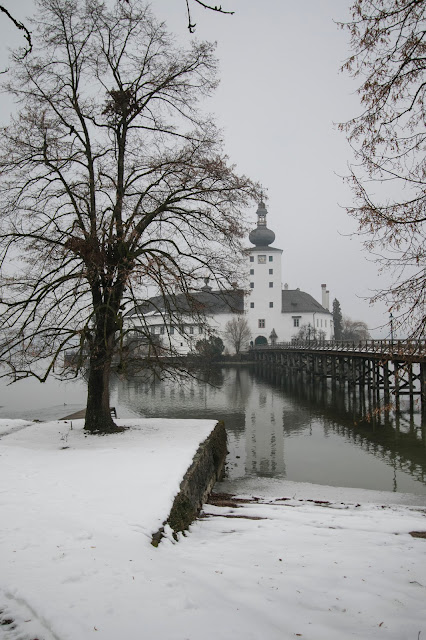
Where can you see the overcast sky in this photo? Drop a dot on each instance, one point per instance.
(281, 94)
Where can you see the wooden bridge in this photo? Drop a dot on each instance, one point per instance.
(392, 368)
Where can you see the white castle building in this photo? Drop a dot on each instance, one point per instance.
(274, 312)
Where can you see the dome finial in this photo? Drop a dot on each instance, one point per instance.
(206, 284)
(261, 236)
(261, 214)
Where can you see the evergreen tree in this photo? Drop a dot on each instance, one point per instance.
(337, 319)
(210, 349)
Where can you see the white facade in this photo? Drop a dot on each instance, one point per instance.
(263, 302)
(274, 313)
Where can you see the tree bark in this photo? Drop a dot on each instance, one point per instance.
(98, 411)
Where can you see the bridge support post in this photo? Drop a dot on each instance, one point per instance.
(411, 387)
(397, 385)
(386, 381)
(423, 388)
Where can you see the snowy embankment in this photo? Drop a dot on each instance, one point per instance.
(78, 511)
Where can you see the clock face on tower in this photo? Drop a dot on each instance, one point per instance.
(261, 259)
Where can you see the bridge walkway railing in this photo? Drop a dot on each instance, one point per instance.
(390, 348)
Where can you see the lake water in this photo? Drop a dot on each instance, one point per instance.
(278, 430)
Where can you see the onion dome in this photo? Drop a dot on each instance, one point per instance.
(261, 236)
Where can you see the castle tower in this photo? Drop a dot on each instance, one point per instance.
(263, 305)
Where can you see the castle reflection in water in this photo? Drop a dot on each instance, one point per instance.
(284, 428)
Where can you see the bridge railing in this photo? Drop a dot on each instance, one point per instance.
(386, 347)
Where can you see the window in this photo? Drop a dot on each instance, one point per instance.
(296, 322)
(251, 305)
(261, 324)
(251, 258)
(200, 330)
(271, 304)
(271, 272)
(271, 284)
(251, 285)
(271, 258)
(153, 331)
(172, 330)
(162, 330)
(252, 272)
(191, 330)
(261, 259)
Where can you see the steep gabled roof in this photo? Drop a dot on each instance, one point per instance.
(295, 301)
(203, 302)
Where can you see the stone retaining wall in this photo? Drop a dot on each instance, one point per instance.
(207, 467)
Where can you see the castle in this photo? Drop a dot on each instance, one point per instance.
(273, 312)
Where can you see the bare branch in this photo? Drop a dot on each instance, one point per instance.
(388, 39)
(218, 9)
(113, 185)
(19, 25)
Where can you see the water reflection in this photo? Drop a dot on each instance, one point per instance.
(396, 437)
(282, 427)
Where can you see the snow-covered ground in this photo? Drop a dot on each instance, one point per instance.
(77, 513)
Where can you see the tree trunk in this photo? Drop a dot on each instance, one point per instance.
(98, 412)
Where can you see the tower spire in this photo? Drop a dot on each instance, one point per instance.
(261, 236)
(261, 213)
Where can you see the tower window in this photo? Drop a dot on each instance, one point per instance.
(271, 284)
(271, 272)
(271, 258)
(251, 305)
(261, 324)
(251, 285)
(271, 304)
(251, 258)
(252, 272)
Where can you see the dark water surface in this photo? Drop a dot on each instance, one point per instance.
(277, 429)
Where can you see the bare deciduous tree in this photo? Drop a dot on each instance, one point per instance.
(237, 333)
(308, 332)
(113, 185)
(354, 330)
(388, 39)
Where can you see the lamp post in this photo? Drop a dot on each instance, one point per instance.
(391, 327)
(309, 332)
